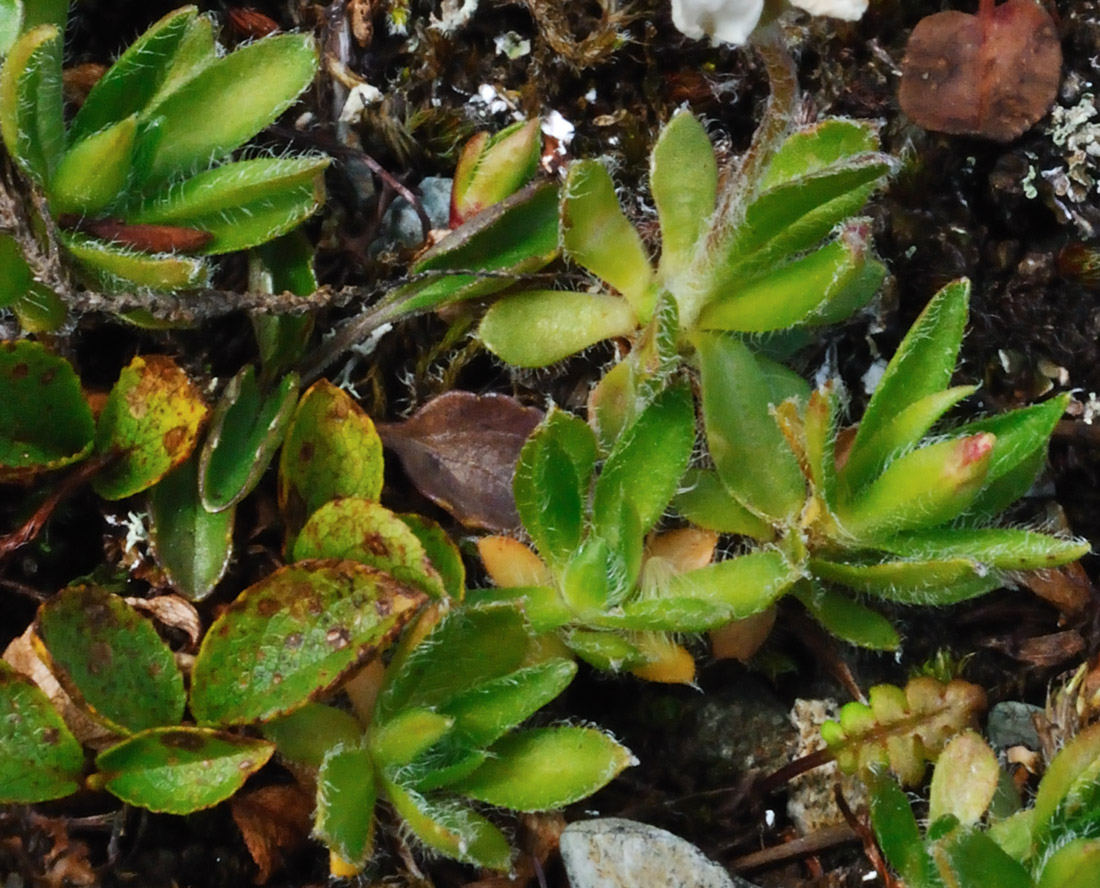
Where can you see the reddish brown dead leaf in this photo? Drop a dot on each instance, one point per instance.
(172, 612)
(275, 821)
(1042, 650)
(251, 23)
(359, 15)
(991, 75)
(1068, 588)
(148, 238)
(460, 450)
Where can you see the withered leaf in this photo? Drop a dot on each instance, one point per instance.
(275, 821)
(991, 75)
(460, 450)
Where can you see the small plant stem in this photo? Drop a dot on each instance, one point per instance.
(353, 332)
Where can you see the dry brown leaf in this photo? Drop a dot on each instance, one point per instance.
(21, 656)
(460, 451)
(992, 75)
(275, 821)
(741, 639)
(173, 612)
(360, 13)
(1068, 588)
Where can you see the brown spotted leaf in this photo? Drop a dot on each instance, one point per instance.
(460, 450)
(152, 419)
(274, 820)
(292, 636)
(992, 75)
(110, 658)
(331, 450)
(179, 770)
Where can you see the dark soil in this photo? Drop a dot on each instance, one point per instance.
(1021, 220)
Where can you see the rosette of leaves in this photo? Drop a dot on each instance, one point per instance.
(605, 591)
(978, 833)
(444, 736)
(896, 509)
(775, 249)
(140, 183)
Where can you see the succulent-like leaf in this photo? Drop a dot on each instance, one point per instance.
(110, 658)
(346, 796)
(923, 363)
(151, 421)
(406, 735)
(308, 734)
(546, 768)
(40, 759)
(246, 428)
(971, 859)
(119, 269)
(179, 770)
(492, 167)
(235, 97)
(1073, 865)
(129, 84)
(94, 171)
(995, 548)
(805, 290)
(902, 729)
(849, 620)
(937, 581)
(312, 622)
(331, 450)
(40, 309)
(608, 651)
(450, 828)
(362, 531)
(240, 204)
(648, 460)
(898, 834)
(598, 237)
(192, 545)
(551, 484)
(31, 104)
(749, 451)
(45, 422)
(818, 147)
(964, 779)
(538, 327)
(18, 276)
(683, 176)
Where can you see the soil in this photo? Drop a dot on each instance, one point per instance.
(1021, 220)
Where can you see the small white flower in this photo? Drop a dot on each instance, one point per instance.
(732, 21)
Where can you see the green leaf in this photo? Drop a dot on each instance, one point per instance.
(192, 545)
(468, 647)
(111, 659)
(899, 433)
(241, 204)
(750, 453)
(1074, 865)
(541, 605)
(849, 620)
(546, 768)
(246, 428)
(551, 484)
(45, 423)
(18, 276)
(118, 269)
(996, 548)
(1076, 764)
(309, 733)
(442, 553)
(586, 578)
(346, 798)
(407, 735)
(923, 363)
(964, 780)
(608, 651)
(11, 22)
(94, 171)
(130, 83)
(283, 265)
(683, 176)
(179, 770)
(40, 759)
(332, 450)
(841, 273)
(451, 829)
(40, 310)
(31, 104)
(492, 167)
(362, 531)
(898, 835)
(973, 860)
(940, 581)
(924, 488)
(151, 420)
(538, 327)
(598, 237)
(292, 636)
(517, 235)
(818, 147)
(704, 501)
(648, 460)
(820, 425)
(491, 709)
(234, 97)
